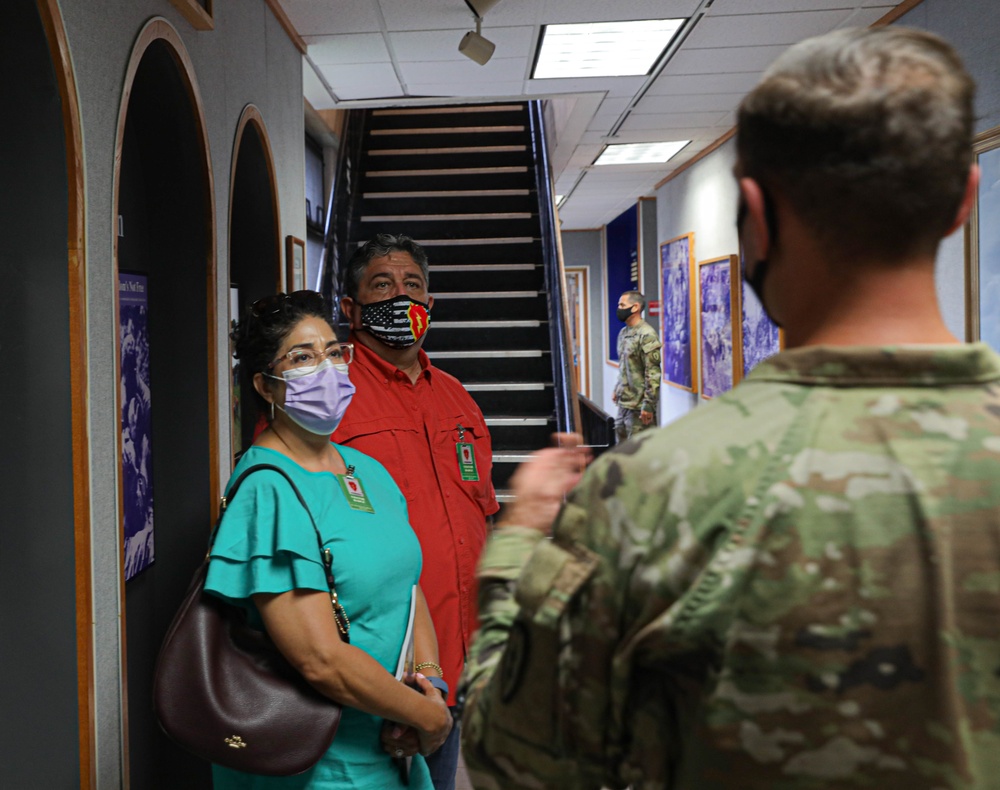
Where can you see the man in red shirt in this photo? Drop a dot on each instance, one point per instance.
(422, 425)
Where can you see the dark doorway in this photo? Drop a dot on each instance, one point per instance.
(164, 203)
(254, 246)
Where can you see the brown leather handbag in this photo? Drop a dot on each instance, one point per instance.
(223, 691)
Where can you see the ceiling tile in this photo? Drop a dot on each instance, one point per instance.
(362, 80)
(471, 91)
(454, 14)
(723, 60)
(357, 48)
(465, 71)
(323, 17)
(741, 7)
(703, 84)
(762, 29)
(688, 103)
(555, 11)
(511, 42)
(676, 120)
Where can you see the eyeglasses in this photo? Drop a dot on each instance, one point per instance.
(275, 303)
(304, 357)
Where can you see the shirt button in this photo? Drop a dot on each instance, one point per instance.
(462, 541)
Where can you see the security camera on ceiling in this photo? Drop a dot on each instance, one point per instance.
(473, 44)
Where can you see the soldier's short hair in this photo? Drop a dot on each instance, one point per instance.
(635, 297)
(380, 245)
(868, 134)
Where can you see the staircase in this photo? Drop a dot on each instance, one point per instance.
(461, 181)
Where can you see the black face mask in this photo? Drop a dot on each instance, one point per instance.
(756, 280)
(623, 313)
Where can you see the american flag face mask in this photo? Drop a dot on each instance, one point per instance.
(398, 322)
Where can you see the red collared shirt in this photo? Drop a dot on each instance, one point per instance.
(413, 430)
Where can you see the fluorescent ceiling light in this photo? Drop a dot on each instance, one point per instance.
(559, 199)
(603, 49)
(639, 153)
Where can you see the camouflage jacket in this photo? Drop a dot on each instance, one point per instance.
(639, 368)
(795, 586)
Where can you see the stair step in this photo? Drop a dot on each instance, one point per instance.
(489, 295)
(455, 159)
(401, 179)
(520, 353)
(457, 149)
(519, 386)
(442, 193)
(448, 130)
(487, 267)
(472, 369)
(487, 242)
(515, 421)
(523, 250)
(439, 325)
(444, 217)
(457, 110)
(446, 171)
(470, 278)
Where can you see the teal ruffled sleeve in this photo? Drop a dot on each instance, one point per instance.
(266, 543)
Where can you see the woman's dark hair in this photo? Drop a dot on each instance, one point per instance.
(259, 335)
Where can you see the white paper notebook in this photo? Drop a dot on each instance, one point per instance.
(405, 663)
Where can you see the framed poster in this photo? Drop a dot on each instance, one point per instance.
(719, 342)
(622, 271)
(678, 304)
(577, 296)
(982, 245)
(295, 264)
(136, 422)
(760, 336)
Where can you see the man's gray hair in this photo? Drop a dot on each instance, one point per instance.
(867, 133)
(636, 297)
(378, 247)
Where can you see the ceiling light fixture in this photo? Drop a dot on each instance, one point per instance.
(640, 153)
(603, 49)
(474, 45)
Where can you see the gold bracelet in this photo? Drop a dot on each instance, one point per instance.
(431, 665)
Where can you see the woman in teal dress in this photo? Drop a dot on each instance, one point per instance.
(266, 559)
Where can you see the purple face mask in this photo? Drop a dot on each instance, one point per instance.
(317, 397)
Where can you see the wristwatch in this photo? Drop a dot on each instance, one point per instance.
(439, 684)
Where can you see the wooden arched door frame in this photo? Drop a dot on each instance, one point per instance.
(159, 30)
(251, 116)
(55, 33)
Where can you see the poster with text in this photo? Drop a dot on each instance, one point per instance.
(134, 393)
(676, 269)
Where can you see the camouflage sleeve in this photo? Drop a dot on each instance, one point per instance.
(523, 681)
(652, 372)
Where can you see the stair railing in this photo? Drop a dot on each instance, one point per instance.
(344, 215)
(567, 406)
(596, 425)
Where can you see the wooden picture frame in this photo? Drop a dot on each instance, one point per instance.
(720, 358)
(578, 299)
(295, 264)
(982, 246)
(199, 13)
(678, 311)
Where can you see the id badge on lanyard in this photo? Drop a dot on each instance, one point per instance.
(354, 492)
(466, 458)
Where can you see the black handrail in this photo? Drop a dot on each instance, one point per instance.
(562, 356)
(344, 217)
(596, 425)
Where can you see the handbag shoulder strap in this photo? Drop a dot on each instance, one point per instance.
(326, 556)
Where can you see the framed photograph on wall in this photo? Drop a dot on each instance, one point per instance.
(982, 245)
(719, 340)
(295, 264)
(136, 422)
(577, 300)
(760, 336)
(678, 300)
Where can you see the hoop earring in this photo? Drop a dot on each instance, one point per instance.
(272, 411)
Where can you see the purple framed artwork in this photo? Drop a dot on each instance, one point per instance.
(136, 422)
(679, 300)
(761, 337)
(718, 294)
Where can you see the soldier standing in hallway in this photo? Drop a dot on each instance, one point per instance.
(795, 585)
(421, 424)
(637, 393)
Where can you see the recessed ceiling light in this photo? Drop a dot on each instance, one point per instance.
(639, 153)
(602, 49)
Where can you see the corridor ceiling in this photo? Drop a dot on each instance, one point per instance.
(377, 53)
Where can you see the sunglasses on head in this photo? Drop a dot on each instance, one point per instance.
(269, 305)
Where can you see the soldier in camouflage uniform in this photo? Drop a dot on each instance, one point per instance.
(638, 390)
(796, 586)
